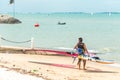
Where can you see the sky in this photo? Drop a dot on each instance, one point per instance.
(45, 6)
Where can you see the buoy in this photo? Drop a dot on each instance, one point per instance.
(36, 25)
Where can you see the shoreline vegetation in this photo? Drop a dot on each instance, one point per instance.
(54, 67)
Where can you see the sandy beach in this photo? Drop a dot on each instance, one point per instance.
(54, 67)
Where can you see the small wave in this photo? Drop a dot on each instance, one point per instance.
(64, 48)
(93, 51)
(107, 49)
(71, 49)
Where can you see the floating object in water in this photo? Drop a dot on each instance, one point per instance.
(36, 25)
(61, 23)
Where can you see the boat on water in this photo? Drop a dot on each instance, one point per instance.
(61, 23)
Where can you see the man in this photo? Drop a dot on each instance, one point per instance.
(81, 48)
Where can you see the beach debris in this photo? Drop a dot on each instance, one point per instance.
(34, 70)
(13, 65)
(12, 75)
(47, 70)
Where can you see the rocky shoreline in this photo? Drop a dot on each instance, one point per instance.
(6, 19)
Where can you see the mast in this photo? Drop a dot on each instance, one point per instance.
(12, 2)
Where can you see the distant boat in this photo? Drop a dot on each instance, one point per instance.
(61, 23)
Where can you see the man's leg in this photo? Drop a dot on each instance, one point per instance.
(79, 63)
(84, 64)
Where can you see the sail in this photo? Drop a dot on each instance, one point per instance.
(11, 1)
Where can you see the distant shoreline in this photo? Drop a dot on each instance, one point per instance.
(62, 13)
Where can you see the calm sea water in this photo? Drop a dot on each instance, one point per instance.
(100, 31)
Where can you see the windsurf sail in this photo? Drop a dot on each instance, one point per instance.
(75, 55)
(11, 2)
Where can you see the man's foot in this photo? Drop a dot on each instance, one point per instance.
(79, 68)
(84, 69)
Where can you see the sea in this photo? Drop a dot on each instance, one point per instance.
(100, 31)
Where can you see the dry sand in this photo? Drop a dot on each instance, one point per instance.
(54, 67)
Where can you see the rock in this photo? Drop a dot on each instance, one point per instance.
(6, 19)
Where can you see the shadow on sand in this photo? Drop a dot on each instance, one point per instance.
(90, 69)
(95, 70)
(55, 64)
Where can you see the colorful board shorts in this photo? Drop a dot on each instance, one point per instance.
(81, 56)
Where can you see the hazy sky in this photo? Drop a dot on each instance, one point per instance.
(61, 6)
